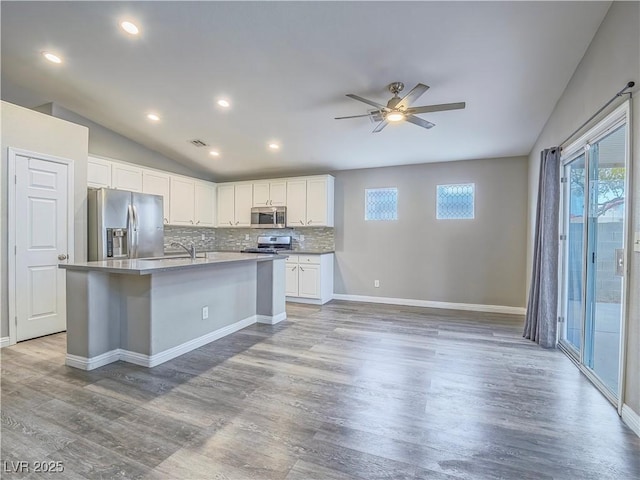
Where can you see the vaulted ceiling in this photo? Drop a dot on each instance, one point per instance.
(285, 67)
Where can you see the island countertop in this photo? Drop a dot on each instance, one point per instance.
(147, 266)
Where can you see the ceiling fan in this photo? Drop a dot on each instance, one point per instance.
(399, 109)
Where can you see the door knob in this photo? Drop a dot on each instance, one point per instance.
(62, 256)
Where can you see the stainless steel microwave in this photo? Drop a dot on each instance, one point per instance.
(269, 217)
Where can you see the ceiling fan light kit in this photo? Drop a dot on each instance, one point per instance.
(399, 109)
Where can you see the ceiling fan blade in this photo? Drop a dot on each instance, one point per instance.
(419, 121)
(436, 108)
(413, 95)
(380, 126)
(368, 102)
(353, 116)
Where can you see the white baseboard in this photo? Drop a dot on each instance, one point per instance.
(631, 418)
(271, 319)
(84, 363)
(164, 356)
(5, 342)
(431, 304)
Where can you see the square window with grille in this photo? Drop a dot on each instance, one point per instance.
(381, 204)
(455, 202)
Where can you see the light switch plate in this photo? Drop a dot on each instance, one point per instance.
(636, 242)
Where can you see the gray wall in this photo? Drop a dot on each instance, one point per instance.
(612, 59)
(25, 129)
(107, 143)
(480, 261)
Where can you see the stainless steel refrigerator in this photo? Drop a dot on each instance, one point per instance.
(124, 224)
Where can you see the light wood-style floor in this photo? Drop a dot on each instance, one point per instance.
(343, 391)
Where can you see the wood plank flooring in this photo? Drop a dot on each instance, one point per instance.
(343, 391)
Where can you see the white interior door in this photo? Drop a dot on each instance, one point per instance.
(42, 196)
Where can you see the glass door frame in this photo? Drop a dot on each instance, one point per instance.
(621, 116)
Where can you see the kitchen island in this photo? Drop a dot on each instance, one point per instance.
(148, 311)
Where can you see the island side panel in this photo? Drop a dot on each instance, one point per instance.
(93, 324)
(135, 312)
(228, 290)
(271, 307)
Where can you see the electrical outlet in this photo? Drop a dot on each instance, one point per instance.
(636, 242)
(205, 313)
(202, 236)
(301, 238)
(376, 283)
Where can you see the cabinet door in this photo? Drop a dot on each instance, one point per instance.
(204, 204)
(157, 183)
(291, 280)
(316, 202)
(261, 194)
(98, 173)
(226, 205)
(243, 204)
(278, 193)
(309, 281)
(296, 203)
(181, 201)
(125, 177)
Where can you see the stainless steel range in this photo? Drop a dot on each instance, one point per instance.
(270, 244)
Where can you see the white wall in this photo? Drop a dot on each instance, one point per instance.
(29, 130)
(612, 59)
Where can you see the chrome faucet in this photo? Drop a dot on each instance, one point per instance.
(191, 249)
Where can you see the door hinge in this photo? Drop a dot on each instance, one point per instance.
(563, 237)
(15, 179)
(560, 319)
(563, 180)
(15, 249)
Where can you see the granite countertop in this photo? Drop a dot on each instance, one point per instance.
(282, 252)
(147, 266)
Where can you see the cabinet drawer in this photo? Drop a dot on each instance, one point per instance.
(292, 259)
(310, 259)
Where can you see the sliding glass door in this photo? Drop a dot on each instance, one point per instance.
(593, 295)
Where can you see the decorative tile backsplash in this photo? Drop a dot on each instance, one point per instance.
(315, 238)
(187, 235)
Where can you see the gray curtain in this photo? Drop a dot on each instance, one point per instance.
(541, 321)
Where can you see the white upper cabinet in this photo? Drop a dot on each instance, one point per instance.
(182, 201)
(234, 205)
(296, 203)
(272, 193)
(126, 177)
(310, 202)
(226, 205)
(243, 204)
(98, 172)
(204, 201)
(158, 183)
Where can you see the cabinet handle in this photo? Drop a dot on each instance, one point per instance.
(301, 269)
(191, 222)
(237, 222)
(294, 269)
(166, 221)
(270, 202)
(62, 256)
(230, 223)
(301, 222)
(309, 222)
(198, 222)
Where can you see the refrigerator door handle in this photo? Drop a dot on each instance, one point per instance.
(130, 231)
(135, 230)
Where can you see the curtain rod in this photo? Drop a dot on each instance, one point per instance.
(619, 94)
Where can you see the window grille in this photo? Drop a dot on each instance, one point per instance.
(381, 204)
(455, 202)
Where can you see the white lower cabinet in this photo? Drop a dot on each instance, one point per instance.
(309, 278)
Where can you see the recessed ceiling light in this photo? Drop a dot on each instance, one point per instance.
(224, 103)
(153, 117)
(51, 57)
(130, 27)
(214, 153)
(274, 146)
